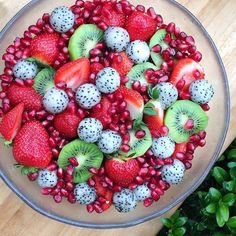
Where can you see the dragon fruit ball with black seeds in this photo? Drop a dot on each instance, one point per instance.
(84, 194)
(55, 100)
(47, 179)
(142, 192)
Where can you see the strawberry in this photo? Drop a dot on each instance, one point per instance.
(101, 112)
(74, 73)
(31, 146)
(122, 172)
(134, 100)
(112, 17)
(155, 122)
(44, 47)
(11, 122)
(66, 123)
(186, 69)
(103, 192)
(96, 67)
(179, 147)
(27, 95)
(122, 64)
(140, 26)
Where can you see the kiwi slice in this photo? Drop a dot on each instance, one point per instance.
(158, 38)
(177, 116)
(138, 146)
(88, 155)
(83, 40)
(138, 73)
(44, 80)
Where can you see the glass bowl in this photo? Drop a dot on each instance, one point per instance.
(204, 157)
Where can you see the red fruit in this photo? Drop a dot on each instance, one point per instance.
(11, 122)
(101, 112)
(66, 123)
(155, 122)
(124, 65)
(111, 17)
(180, 148)
(134, 100)
(45, 47)
(74, 73)
(122, 172)
(96, 67)
(103, 192)
(186, 69)
(140, 26)
(27, 95)
(31, 146)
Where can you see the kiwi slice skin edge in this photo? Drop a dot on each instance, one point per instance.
(87, 154)
(178, 114)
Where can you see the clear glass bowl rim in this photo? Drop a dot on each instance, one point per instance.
(34, 206)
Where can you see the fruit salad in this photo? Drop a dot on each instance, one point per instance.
(104, 104)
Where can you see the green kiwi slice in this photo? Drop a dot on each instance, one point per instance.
(138, 146)
(177, 116)
(83, 40)
(44, 80)
(138, 73)
(87, 154)
(158, 38)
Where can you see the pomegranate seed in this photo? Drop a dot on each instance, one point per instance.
(155, 196)
(143, 171)
(2, 95)
(91, 182)
(116, 188)
(141, 160)
(57, 198)
(125, 148)
(60, 184)
(189, 156)
(189, 125)
(64, 192)
(163, 79)
(151, 171)
(180, 84)
(170, 28)
(192, 49)
(191, 147)
(180, 156)
(5, 108)
(164, 130)
(151, 12)
(97, 208)
(140, 134)
(114, 127)
(60, 173)
(46, 191)
(55, 191)
(168, 161)
(205, 107)
(194, 138)
(103, 26)
(197, 56)
(69, 178)
(73, 161)
(52, 167)
(147, 202)
(90, 208)
(179, 55)
(202, 143)
(202, 134)
(101, 200)
(190, 40)
(126, 138)
(33, 176)
(70, 170)
(159, 191)
(108, 181)
(46, 17)
(93, 170)
(71, 198)
(140, 8)
(89, 5)
(139, 180)
(136, 85)
(69, 186)
(34, 29)
(188, 165)
(132, 186)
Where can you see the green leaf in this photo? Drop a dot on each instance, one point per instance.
(149, 111)
(229, 199)
(201, 226)
(27, 170)
(232, 154)
(211, 208)
(232, 173)
(219, 219)
(221, 158)
(219, 234)
(167, 222)
(175, 216)
(215, 194)
(8, 143)
(231, 164)
(138, 122)
(230, 186)
(180, 222)
(153, 93)
(179, 231)
(232, 222)
(220, 175)
(224, 211)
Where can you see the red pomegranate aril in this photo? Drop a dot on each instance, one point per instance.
(122, 106)
(147, 202)
(125, 148)
(55, 191)
(140, 134)
(89, 5)
(46, 17)
(8, 57)
(60, 184)
(151, 171)
(91, 182)
(52, 143)
(194, 138)
(6, 101)
(93, 170)
(69, 186)
(108, 181)
(6, 78)
(155, 195)
(11, 49)
(159, 191)
(143, 172)
(179, 55)
(90, 208)
(132, 186)
(164, 130)
(136, 85)
(116, 188)
(163, 79)
(190, 40)
(197, 56)
(141, 160)
(64, 192)
(6, 107)
(114, 127)
(101, 200)
(140, 8)
(25, 42)
(2, 95)
(97, 208)
(1, 112)
(95, 52)
(205, 107)
(73, 161)
(168, 161)
(189, 125)
(202, 143)
(57, 198)
(126, 138)
(34, 29)
(202, 134)
(170, 27)
(8, 71)
(139, 180)
(60, 173)
(52, 167)
(71, 198)
(33, 176)
(103, 26)
(191, 147)
(69, 178)
(183, 47)
(180, 84)
(180, 156)
(46, 191)
(129, 125)
(185, 96)
(188, 165)
(151, 12)
(192, 49)
(29, 82)
(188, 156)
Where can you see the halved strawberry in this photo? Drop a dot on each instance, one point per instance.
(74, 73)
(134, 100)
(122, 64)
(188, 70)
(155, 122)
(45, 48)
(111, 17)
(101, 112)
(11, 123)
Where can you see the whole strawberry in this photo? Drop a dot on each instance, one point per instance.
(122, 172)
(66, 123)
(140, 26)
(27, 95)
(45, 48)
(31, 146)
(11, 122)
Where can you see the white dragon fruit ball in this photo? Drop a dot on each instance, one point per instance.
(90, 130)
(47, 179)
(201, 91)
(55, 100)
(62, 19)
(117, 38)
(109, 141)
(88, 96)
(108, 80)
(168, 94)
(84, 194)
(124, 201)
(173, 173)
(138, 51)
(142, 192)
(24, 70)
(163, 147)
